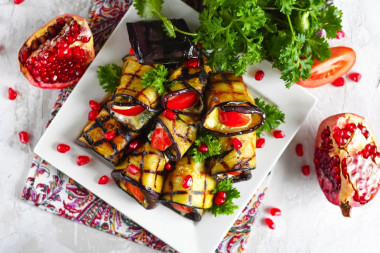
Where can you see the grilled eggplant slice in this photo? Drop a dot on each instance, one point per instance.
(93, 137)
(235, 163)
(227, 93)
(185, 80)
(152, 45)
(144, 184)
(132, 105)
(182, 133)
(189, 202)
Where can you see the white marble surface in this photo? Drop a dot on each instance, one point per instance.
(309, 222)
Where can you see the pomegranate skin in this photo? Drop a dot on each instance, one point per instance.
(347, 161)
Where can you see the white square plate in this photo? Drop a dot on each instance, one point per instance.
(181, 233)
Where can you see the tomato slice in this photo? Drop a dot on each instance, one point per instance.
(233, 119)
(160, 139)
(181, 208)
(182, 101)
(133, 111)
(341, 61)
(135, 191)
(234, 173)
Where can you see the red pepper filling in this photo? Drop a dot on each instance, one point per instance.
(160, 139)
(182, 101)
(233, 119)
(133, 111)
(135, 191)
(181, 208)
(234, 173)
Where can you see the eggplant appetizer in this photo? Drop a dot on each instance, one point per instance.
(152, 45)
(188, 189)
(133, 105)
(106, 137)
(186, 86)
(174, 135)
(231, 109)
(141, 175)
(237, 158)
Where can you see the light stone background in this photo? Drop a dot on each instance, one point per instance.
(309, 222)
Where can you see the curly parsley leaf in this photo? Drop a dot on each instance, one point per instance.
(148, 8)
(273, 116)
(109, 76)
(231, 193)
(155, 78)
(330, 19)
(211, 141)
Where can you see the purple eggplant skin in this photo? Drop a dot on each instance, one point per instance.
(153, 46)
(135, 102)
(193, 215)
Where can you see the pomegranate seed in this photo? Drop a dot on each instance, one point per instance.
(75, 27)
(131, 52)
(24, 137)
(168, 166)
(12, 94)
(192, 63)
(260, 142)
(1, 48)
(18, 1)
(133, 169)
(259, 75)
(340, 35)
(103, 180)
(63, 148)
(134, 144)
(203, 148)
(355, 77)
(236, 144)
(270, 223)
(278, 134)
(275, 211)
(92, 115)
(95, 106)
(187, 181)
(110, 135)
(169, 114)
(85, 39)
(82, 160)
(351, 127)
(306, 170)
(299, 149)
(220, 198)
(338, 82)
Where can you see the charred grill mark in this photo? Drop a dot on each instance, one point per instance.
(204, 191)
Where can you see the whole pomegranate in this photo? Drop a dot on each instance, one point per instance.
(58, 54)
(347, 161)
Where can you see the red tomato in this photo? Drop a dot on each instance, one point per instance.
(135, 191)
(133, 111)
(160, 139)
(341, 61)
(181, 208)
(233, 119)
(234, 173)
(182, 101)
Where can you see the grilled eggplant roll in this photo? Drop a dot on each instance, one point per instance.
(141, 175)
(152, 45)
(94, 137)
(174, 137)
(235, 163)
(186, 86)
(132, 105)
(231, 109)
(189, 201)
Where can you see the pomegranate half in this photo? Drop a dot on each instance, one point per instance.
(57, 55)
(347, 161)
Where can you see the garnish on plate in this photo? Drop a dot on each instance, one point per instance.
(273, 116)
(205, 139)
(156, 79)
(231, 193)
(109, 76)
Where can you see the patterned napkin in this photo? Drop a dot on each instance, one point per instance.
(53, 191)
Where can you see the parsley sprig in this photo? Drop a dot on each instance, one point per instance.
(212, 143)
(109, 76)
(239, 33)
(273, 116)
(232, 193)
(155, 78)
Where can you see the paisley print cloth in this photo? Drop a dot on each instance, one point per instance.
(53, 191)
